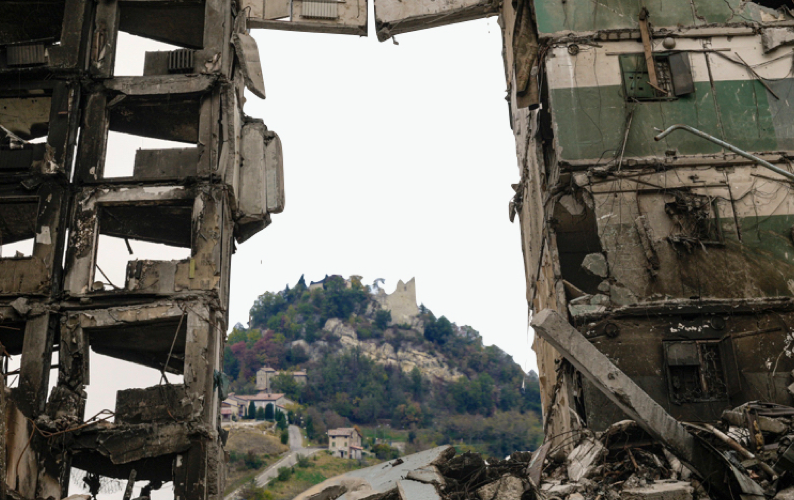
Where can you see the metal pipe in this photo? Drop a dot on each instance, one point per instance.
(724, 144)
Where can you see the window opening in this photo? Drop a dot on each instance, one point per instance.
(696, 220)
(111, 273)
(111, 374)
(134, 49)
(673, 74)
(18, 228)
(122, 150)
(695, 371)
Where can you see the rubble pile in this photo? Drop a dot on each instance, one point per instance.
(624, 462)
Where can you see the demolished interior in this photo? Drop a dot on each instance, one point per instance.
(60, 214)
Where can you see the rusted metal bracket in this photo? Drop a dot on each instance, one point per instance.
(731, 147)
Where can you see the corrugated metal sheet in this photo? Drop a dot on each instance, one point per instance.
(180, 61)
(320, 9)
(26, 55)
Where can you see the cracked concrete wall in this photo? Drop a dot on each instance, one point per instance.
(614, 223)
(170, 316)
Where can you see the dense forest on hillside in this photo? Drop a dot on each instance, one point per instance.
(344, 386)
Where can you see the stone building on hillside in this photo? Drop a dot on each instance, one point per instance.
(265, 376)
(345, 442)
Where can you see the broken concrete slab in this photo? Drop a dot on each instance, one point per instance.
(622, 296)
(379, 478)
(663, 490)
(429, 474)
(506, 488)
(414, 490)
(248, 55)
(772, 38)
(584, 457)
(596, 264)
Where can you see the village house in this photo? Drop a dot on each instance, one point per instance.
(345, 442)
(265, 376)
(260, 400)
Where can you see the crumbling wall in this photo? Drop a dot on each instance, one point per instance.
(672, 257)
(57, 79)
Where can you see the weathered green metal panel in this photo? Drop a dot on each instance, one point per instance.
(590, 122)
(593, 15)
(698, 108)
(770, 236)
(745, 115)
(782, 113)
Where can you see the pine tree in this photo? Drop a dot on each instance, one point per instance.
(251, 413)
(269, 413)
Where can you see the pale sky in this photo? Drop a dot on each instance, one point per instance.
(398, 161)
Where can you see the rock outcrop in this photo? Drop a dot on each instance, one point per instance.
(408, 356)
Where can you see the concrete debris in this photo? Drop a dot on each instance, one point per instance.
(583, 458)
(506, 488)
(665, 490)
(596, 264)
(772, 38)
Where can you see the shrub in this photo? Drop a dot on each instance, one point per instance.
(303, 461)
(284, 436)
(252, 491)
(385, 452)
(284, 473)
(382, 319)
(253, 461)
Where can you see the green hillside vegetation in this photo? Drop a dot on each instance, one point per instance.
(345, 387)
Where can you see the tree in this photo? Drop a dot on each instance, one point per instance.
(284, 436)
(382, 319)
(439, 331)
(260, 413)
(281, 421)
(269, 412)
(251, 413)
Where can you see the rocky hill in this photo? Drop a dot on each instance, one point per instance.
(374, 358)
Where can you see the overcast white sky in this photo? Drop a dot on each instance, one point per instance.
(398, 161)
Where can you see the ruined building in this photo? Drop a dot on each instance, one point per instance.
(59, 99)
(674, 258)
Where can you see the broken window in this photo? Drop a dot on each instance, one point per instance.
(695, 371)
(577, 236)
(23, 43)
(141, 56)
(118, 128)
(146, 233)
(696, 220)
(673, 75)
(123, 151)
(17, 227)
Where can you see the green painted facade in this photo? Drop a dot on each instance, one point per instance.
(591, 121)
(554, 16)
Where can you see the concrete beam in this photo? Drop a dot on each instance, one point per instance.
(708, 463)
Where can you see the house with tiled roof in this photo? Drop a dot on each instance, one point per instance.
(345, 442)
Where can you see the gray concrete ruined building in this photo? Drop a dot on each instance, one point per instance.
(57, 84)
(674, 258)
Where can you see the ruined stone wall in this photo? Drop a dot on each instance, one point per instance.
(401, 302)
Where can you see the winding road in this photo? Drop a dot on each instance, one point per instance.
(289, 459)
